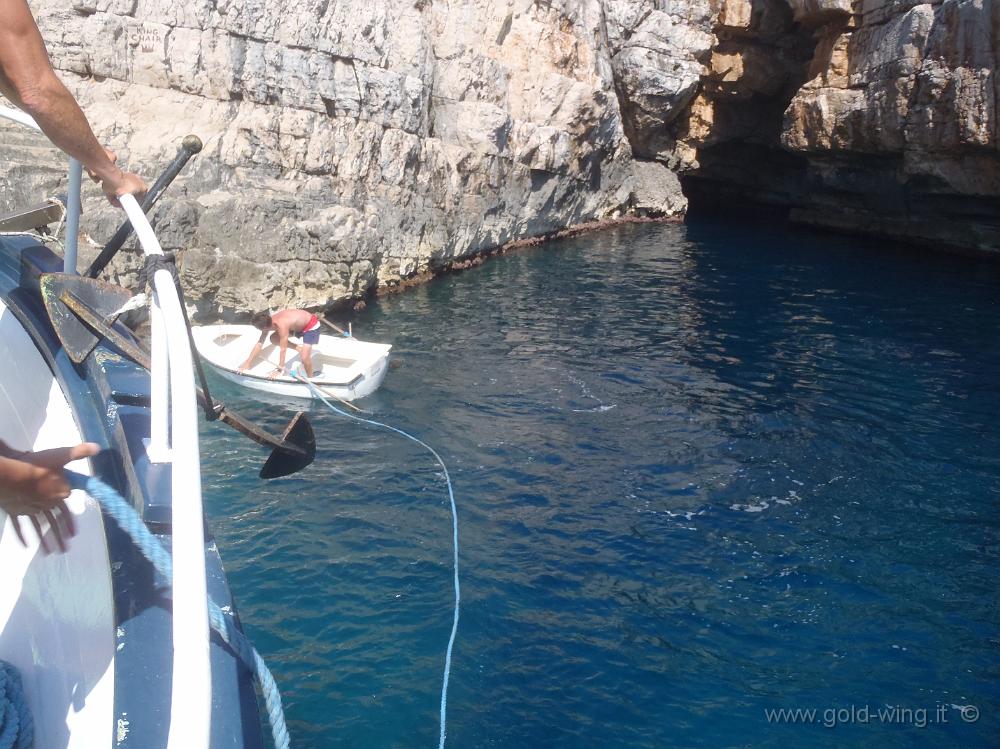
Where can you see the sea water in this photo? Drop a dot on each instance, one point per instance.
(717, 487)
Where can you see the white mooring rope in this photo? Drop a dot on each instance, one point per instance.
(454, 528)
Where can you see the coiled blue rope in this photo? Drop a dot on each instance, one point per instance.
(17, 730)
(129, 521)
(454, 527)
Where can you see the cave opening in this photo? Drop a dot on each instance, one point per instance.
(762, 58)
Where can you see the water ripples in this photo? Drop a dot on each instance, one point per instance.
(700, 472)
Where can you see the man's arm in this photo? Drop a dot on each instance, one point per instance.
(28, 80)
(253, 353)
(281, 329)
(283, 341)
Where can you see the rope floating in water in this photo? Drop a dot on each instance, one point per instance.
(454, 525)
(115, 506)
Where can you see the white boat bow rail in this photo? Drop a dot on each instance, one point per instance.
(172, 371)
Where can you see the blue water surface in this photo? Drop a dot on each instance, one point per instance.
(703, 473)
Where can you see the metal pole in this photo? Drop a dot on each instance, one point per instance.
(72, 216)
(189, 147)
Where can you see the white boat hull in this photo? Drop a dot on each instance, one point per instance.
(348, 369)
(57, 624)
(295, 389)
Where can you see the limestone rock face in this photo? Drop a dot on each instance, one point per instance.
(658, 53)
(859, 99)
(870, 115)
(351, 144)
(901, 106)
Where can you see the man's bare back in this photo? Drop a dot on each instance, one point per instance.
(291, 321)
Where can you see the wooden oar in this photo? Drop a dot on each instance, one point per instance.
(336, 327)
(328, 394)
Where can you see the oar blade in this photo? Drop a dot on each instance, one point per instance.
(283, 461)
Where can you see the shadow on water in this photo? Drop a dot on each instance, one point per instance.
(702, 472)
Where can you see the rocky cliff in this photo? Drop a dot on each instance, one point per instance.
(350, 145)
(874, 115)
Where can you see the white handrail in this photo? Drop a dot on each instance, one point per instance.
(158, 449)
(73, 189)
(18, 116)
(191, 698)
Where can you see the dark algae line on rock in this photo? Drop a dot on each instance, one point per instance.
(478, 259)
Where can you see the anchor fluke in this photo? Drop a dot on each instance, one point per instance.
(282, 461)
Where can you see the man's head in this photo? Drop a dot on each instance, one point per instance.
(261, 321)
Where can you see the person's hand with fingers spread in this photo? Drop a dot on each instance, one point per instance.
(35, 485)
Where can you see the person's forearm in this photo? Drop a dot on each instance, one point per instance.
(253, 355)
(61, 119)
(28, 80)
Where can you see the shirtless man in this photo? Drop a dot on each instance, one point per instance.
(288, 322)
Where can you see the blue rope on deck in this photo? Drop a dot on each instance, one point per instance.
(115, 506)
(17, 730)
(454, 528)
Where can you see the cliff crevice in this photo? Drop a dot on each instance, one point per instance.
(892, 131)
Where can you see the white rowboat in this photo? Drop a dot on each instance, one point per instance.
(344, 367)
